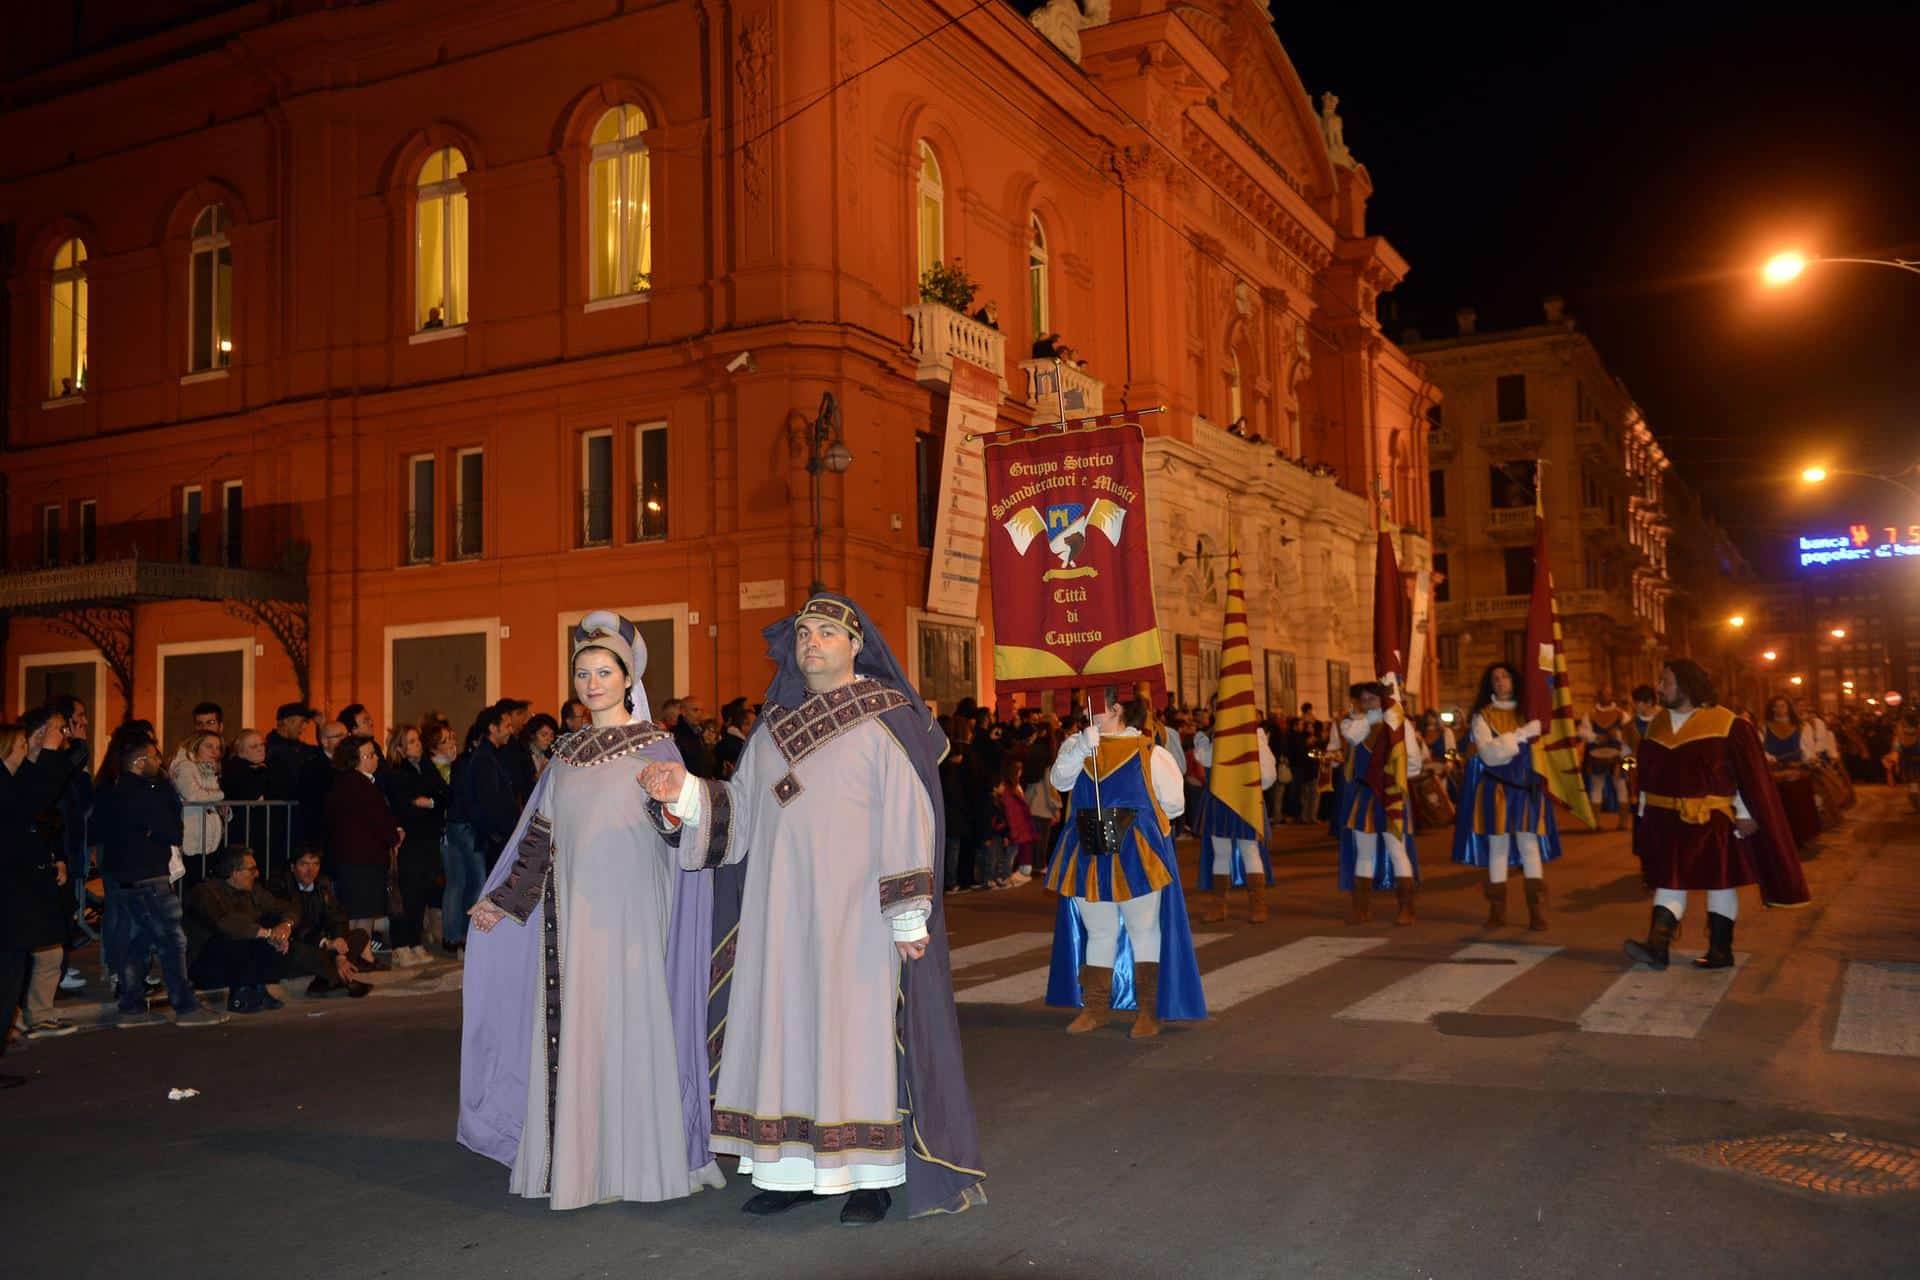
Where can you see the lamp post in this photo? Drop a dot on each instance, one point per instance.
(1819, 475)
(1783, 269)
(826, 451)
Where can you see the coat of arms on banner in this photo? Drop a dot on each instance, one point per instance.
(1066, 526)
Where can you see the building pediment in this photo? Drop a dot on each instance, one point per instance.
(1263, 98)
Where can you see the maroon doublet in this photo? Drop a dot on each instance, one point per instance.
(1685, 838)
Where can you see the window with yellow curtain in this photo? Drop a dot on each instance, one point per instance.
(440, 243)
(620, 206)
(931, 205)
(210, 293)
(67, 370)
(1037, 292)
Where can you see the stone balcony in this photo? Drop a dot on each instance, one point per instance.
(1443, 444)
(1596, 443)
(1488, 607)
(1510, 525)
(1589, 600)
(940, 334)
(1084, 395)
(1512, 440)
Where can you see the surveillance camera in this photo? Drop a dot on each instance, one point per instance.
(742, 363)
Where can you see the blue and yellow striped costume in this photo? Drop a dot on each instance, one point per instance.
(1147, 861)
(1502, 800)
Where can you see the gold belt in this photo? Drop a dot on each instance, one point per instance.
(1694, 810)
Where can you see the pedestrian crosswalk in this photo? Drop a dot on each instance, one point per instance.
(1404, 983)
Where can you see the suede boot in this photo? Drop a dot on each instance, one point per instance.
(1496, 905)
(1653, 952)
(1360, 912)
(1257, 898)
(1216, 912)
(1146, 990)
(1403, 892)
(1096, 994)
(1536, 903)
(1719, 943)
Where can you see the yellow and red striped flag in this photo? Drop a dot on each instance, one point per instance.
(1545, 695)
(1234, 780)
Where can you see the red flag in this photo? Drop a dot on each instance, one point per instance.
(1391, 621)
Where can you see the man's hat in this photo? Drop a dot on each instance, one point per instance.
(827, 609)
(295, 709)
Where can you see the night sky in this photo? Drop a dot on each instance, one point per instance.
(1643, 163)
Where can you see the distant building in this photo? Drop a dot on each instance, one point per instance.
(1535, 412)
(355, 350)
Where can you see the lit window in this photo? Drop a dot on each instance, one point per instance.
(67, 374)
(932, 215)
(1037, 289)
(210, 292)
(650, 481)
(620, 202)
(440, 243)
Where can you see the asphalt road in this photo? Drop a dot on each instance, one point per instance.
(1429, 1101)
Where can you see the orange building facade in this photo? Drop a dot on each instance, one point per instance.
(354, 351)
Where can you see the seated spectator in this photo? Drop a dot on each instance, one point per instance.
(237, 933)
(195, 773)
(321, 943)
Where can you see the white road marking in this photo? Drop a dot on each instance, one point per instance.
(999, 949)
(1880, 1009)
(1649, 1002)
(1031, 984)
(1449, 988)
(1244, 979)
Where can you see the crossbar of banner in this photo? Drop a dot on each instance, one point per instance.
(1066, 424)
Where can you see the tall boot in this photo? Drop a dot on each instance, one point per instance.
(1096, 994)
(1496, 905)
(1536, 903)
(1257, 898)
(1146, 990)
(1653, 952)
(1359, 912)
(1719, 943)
(1403, 891)
(1216, 913)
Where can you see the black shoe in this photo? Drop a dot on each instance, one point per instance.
(864, 1208)
(767, 1203)
(357, 990)
(244, 1000)
(1719, 943)
(1653, 952)
(268, 1000)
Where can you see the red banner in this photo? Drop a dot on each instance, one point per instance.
(1067, 544)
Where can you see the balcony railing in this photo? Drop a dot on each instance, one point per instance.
(1084, 395)
(1596, 441)
(1589, 600)
(649, 512)
(1498, 607)
(1511, 439)
(940, 334)
(1510, 524)
(153, 559)
(1442, 443)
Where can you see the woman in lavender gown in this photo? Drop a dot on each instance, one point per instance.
(583, 1063)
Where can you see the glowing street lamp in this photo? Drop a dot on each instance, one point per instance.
(1737, 621)
(1814, 475)
(1783, 268)
(1838, 633)
(1796, 682)
(1769, 656)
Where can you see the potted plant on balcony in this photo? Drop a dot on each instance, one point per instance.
(948, 285)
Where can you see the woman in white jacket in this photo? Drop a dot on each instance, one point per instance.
(196, 776)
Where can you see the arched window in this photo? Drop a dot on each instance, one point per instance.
(620, 204)
(1235, 401)
(67, 370)
(210, 292)
(440, 243)
(932, 210)
(1037, 291)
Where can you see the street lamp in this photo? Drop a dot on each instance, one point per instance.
(1838, 633)
(1818, 475)
(1784, 268)
(826, 451)
(1737, 621)
(1796, 681)
(1768, 656)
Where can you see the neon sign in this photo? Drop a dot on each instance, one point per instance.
(1861, 542)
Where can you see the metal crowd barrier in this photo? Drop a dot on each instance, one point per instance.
(259, 825)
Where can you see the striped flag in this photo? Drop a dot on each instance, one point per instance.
(1544, 695)
(1234, 780)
